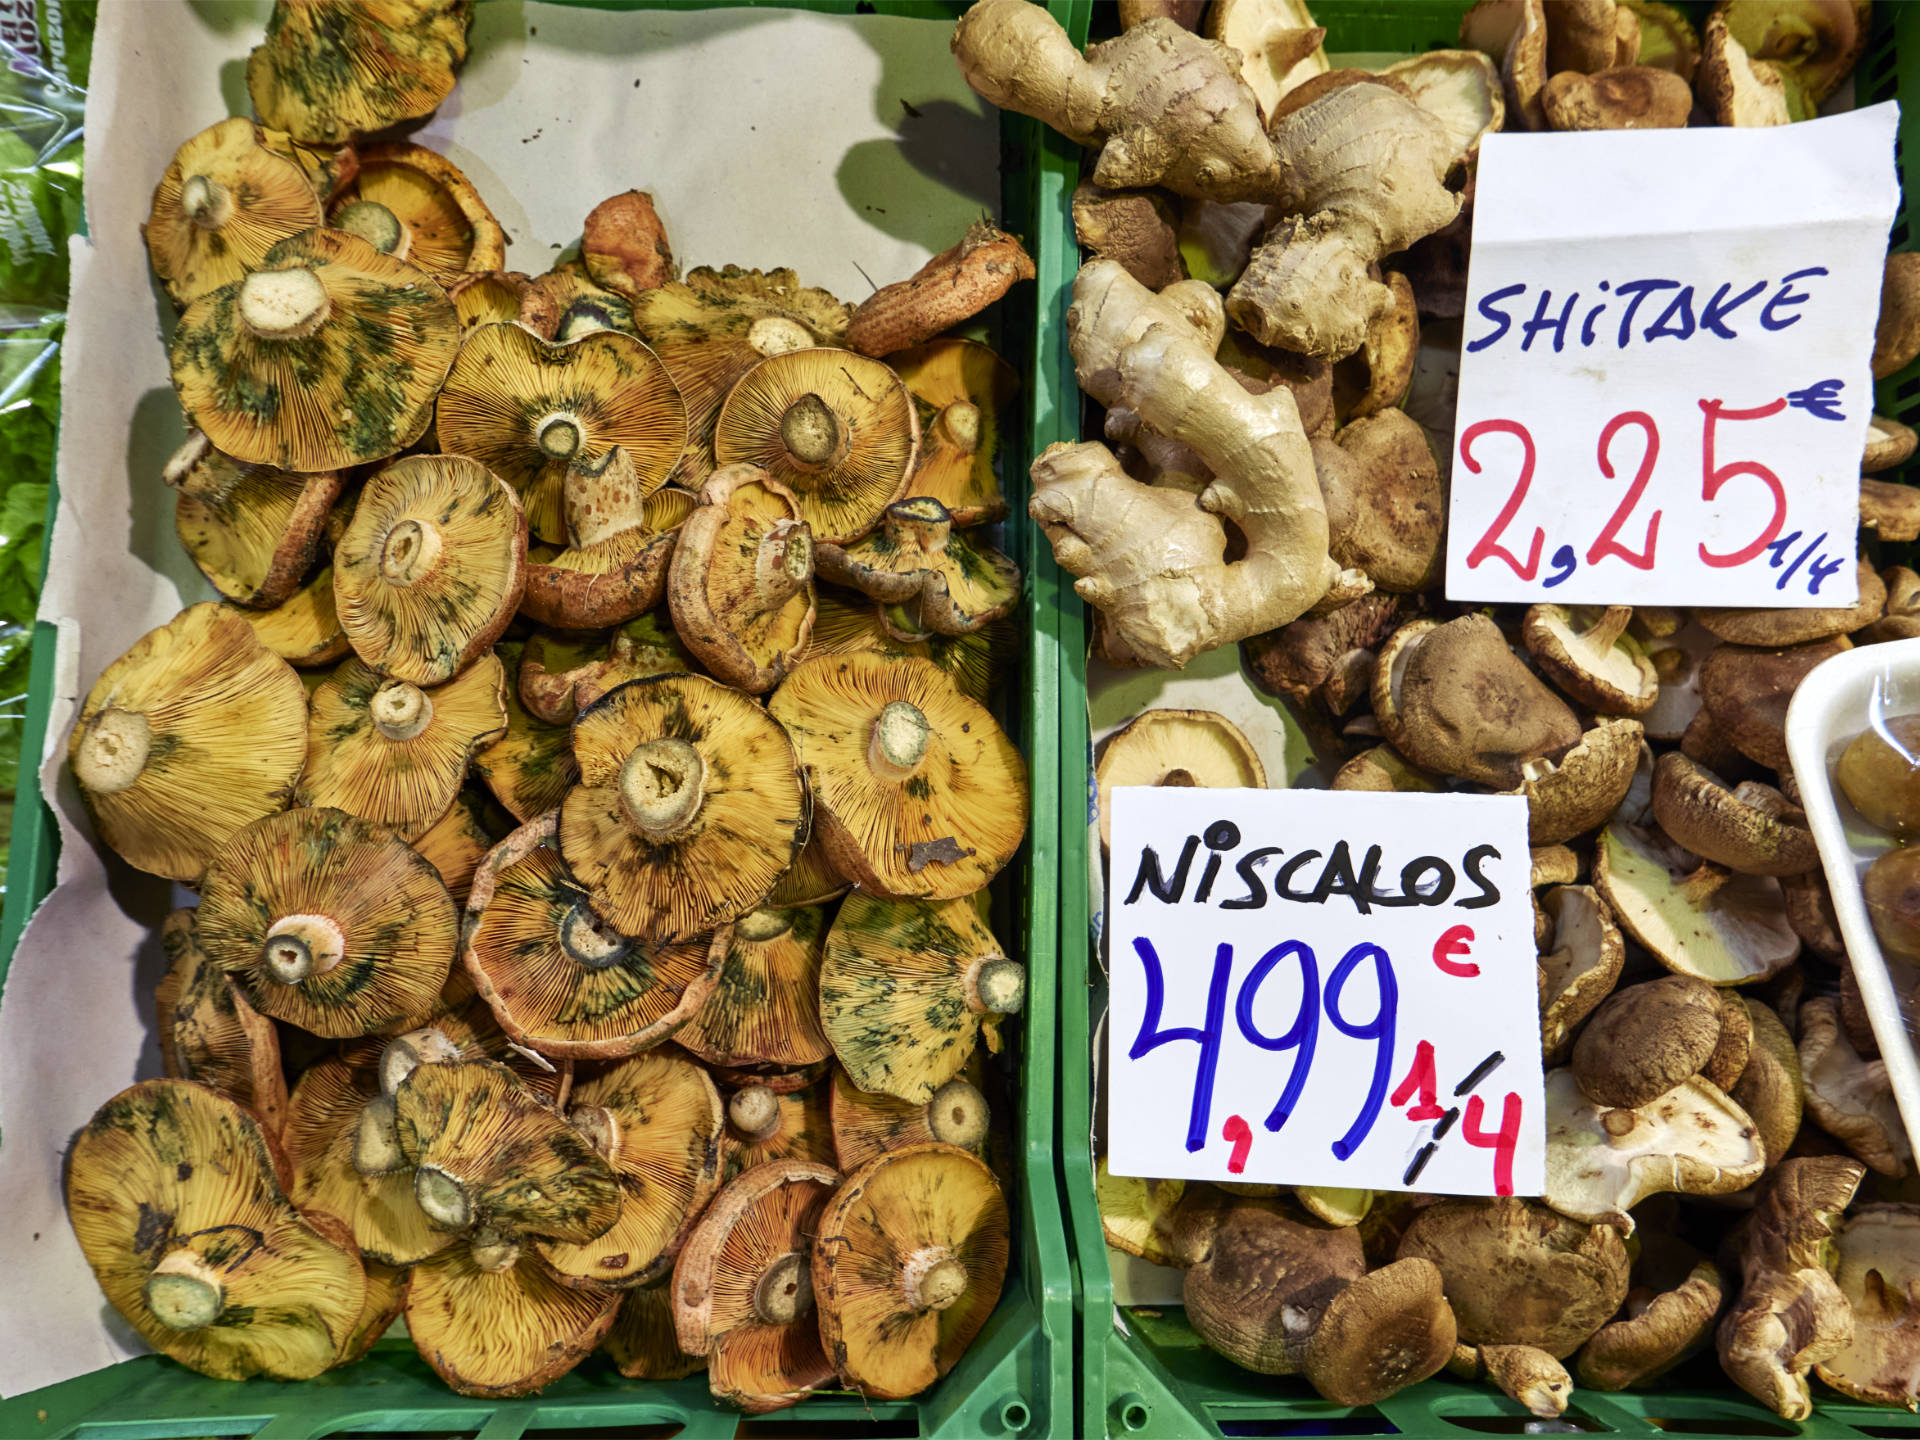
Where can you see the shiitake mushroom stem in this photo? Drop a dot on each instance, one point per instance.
(662, 786)
(812, 433)
(377, 225)
(113, 752)
(300, 946)
(996, 986)
(409, 553)
(933, 1279)
(400, 710)
(755, 1112)
(785, 1290)
(284, 304)
(184, 1293)
(899, 741)
(441, 1198)
(206, 202)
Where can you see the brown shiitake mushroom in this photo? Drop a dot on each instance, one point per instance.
(176, 1197)
(325, 75)
(1581, 968)
(1174, 747)
(1592, 658)
(1891, 888)
(195, 732)
(1770, 1088)
(917, 790)
(1799, 627)
(1386, 507)
(907, 1266)
(208, 1032)
(1815, 45)
(764, 1008)
(838, 430)
(908, 986)
(415, 204)
(741, 587)
(776, 1115)
(690, 806)
(561, 980)
(959, 388)
(1571, 795)
(1645, 1039)
(1629, 97)
(1876, 1269)
(1136, 229)
(252, 530)
(1370, 382)
(948, 583)
(1667, 1318)
(1849, 1097)
(1697, 919)
(743, 1288)
(1750, 827)
(329, 921)
(1746, 690)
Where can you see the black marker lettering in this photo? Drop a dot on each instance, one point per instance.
(1256, 896)
(1168, 892)
(1489, 892)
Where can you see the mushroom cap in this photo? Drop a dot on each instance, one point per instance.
(1879, 1255)
(959, 388)
(1848, 1097)
(1747, 691)
(1463, 704)
(370, 915)
(324, 74)
(1383, 769)
(177, 1198)
(527, 409)
(1138, 1216)
(1645, 1039)
(387, 1287)
(1516, 1273)
(208, 1032)
(1657, 1333)
(1732, 932)
(1626, 97)
(505, 1160)
(950, 585)
(1592, 657)
(741, 586)
(1692, 1139)
(665, 1128)
(1891, 889)
(1879, 772)
(1529, 1376)
(901, 991)
(1523, 71)
(958, 809)
(323, 1116)
(195, 732)
(1581, 969)
(1747, 827)
(1389, 1329)
(1737, 90)
(1889, 443)
(1259, 1282)
(1572, 795)
(444, 227)
(365, 756)
(857, 433)
(765, 1005)
(947, 291)
(252, 530)
(459, 840)
(1800, 627)
(717, 325)
(811, 881)
(244, 199)
(1896, 339)
(1386, 506)
(491, 297)
(802, 1124)
(907, 1266)
(502, 1332)
(1369, 383)
(1735, 1046)
(717, 779)
(642, 1344)
(530, 768)
(558, 979)
(1817, 42)
(1667, 38)
(1175, 747)
(1460, 89)
(623, 245)
(304, 629)
(328, 354)
(1770, 1088)
(868, 1125)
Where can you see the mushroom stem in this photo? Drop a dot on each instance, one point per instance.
(589, 941)
(560, 435)
(493, 1252)
(757, 927)
(409, 553)
(960, 423)
(932, 1279)
(114, 751)
(957, 1115)
(400, 710)
(406, 1053)
(996, 986)
(1178, 779)
(441, 1198)
(376, 1139)
(784, 563)
(785, 1290)
(776, 335)
(1618, 1123)
(755, 1112)
(206, 202)
(1702, 884)
(602, 497)
(601, 1127)
(662, 786)
(377, 225)
(1609, 627)
(921, 523)
(299, 946)
(899, 741)
(283, 304)
(184, 1293)
(813, 435)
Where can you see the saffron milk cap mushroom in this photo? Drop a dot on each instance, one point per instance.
(325, 74)
(208, 1032)
(642, 1344)
(415, 204)
(764, 1008)
(776, 1115)
(1138, 1216)
(304, 629)
(252, 530)
(867, 1125)
(623, 540)
(959, 388)
(530, 767)
(914, 557)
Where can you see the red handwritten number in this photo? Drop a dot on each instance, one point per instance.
(1713, 477)
(1237, 1133)
(1421, 1080)
(1490, 546)
(1606, 546)
(1502, 1141)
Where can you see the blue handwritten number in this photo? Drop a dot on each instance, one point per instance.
(1379, 1029)
(1300, 1036)
(1152, 1037)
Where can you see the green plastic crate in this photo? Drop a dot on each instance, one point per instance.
(1146, 1373)
(1016, 1379)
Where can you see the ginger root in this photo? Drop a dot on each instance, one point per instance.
(1366, 176)
(1153, 559)
(1164, 106)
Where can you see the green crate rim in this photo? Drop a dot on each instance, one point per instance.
(1153, 1377)
(1016, 1380)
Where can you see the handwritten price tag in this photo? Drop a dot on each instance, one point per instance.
(1322, 988)
(1664, 383)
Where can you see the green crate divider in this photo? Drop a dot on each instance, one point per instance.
(1016, 1379)
(1146, 1373)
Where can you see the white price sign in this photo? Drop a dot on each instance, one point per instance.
(1324, 988)
(1664, 373)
